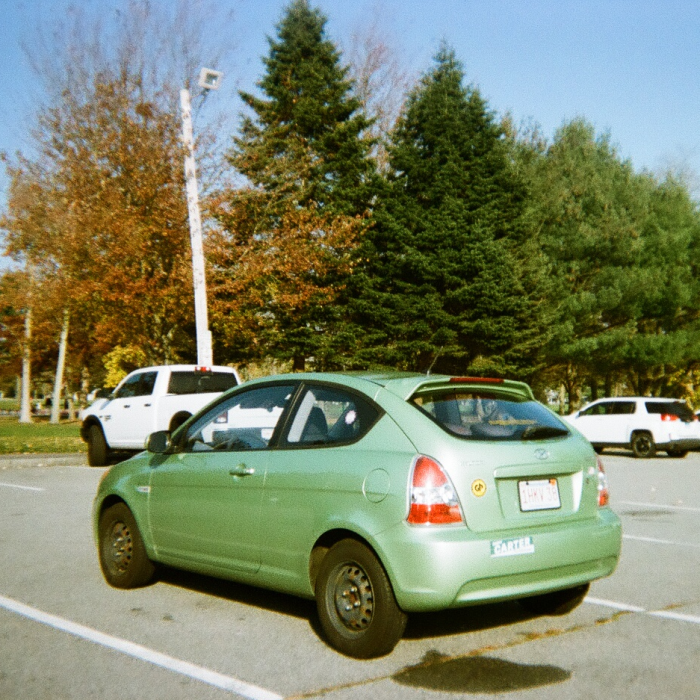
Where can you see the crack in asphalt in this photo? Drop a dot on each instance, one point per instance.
(434, 660)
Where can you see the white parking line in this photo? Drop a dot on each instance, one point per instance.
(659, 506)
(24, 488)
(218, 680)
(655, 540)
(665, 614)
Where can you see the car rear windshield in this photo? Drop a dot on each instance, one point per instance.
(670, 408)
(483, 415)
(193, 382)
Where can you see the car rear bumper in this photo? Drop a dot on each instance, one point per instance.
(446, 567)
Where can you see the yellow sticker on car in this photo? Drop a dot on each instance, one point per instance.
(479, 488)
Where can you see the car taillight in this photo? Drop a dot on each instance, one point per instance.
(668, 416)
(603, 492)
(432, 496)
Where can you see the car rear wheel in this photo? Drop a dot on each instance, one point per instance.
(643, 445)
(122, 553)
(98, 451)
(356, 605)
(676, 452)
(557, 602)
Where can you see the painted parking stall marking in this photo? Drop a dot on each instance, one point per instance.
(664, 614)
(656, 540)
(22, 488)
(185, 668)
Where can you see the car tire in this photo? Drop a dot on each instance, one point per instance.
(358, 612)
(177, 420)
(98, 450)
(677, 452)
(643, 445)
(123, 557)
(557, 602)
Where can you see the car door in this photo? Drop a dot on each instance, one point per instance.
(592, 421)
(205, 499)
(130, 413)
(327, 468)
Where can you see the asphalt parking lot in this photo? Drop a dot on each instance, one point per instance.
(65, 634)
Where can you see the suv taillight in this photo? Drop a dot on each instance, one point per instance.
(603, 492)
(433, 499)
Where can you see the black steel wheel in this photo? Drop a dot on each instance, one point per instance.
(643, 445)
(356, 605)
(557, 602)
(122, 553)
(98, 451)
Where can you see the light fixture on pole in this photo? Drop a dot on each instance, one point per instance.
(208, 80)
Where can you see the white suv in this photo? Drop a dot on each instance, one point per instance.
(641, 423)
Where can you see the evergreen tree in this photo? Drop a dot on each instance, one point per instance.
(306, 159)
(309, 122)
(447, 282)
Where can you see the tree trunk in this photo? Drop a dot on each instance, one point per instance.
(25, 409)
(58, 382)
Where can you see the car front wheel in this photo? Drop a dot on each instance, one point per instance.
(557, 602)
(98, 451)
(356, 605)
(123, 557)
(643, 445)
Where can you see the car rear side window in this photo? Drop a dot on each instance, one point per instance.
(670, 408)
(328, 415)
(199, 382)
(479, 415)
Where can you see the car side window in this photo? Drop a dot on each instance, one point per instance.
(623, 407)
(597, 409)
(327, 416)
(245, 421)
(140, 384)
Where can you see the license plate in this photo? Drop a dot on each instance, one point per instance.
(542, 494)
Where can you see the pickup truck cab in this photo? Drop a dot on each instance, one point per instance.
(148, 400)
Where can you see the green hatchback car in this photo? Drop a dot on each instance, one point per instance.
(377, 495)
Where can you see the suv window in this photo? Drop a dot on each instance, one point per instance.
(327, 416)
(198, 382)
(141, 384)
(670, 408)
(623, 407)
(477, 415)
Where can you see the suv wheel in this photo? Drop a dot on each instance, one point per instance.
(643, 445)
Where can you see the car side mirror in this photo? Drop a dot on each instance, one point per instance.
(159, 442)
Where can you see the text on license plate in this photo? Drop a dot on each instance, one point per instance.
(541, 494)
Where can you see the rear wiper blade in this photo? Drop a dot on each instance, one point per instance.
(542, 432)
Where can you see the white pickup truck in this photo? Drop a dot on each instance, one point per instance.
(149, 399)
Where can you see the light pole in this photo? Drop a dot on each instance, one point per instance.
(208, 80)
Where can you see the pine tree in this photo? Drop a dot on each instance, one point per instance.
(445, 283)
(307, 160)
(309, 122)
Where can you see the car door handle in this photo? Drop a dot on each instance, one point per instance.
(242, 470)
(127, 405)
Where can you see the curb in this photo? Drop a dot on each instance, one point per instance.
(22, 461)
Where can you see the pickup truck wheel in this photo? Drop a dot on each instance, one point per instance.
(356, 604)
(98, 451)
(643, 445)
(177, 420)
(123, 557)
(676, 452)
(557, 602)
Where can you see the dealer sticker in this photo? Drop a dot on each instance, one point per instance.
(512, 547)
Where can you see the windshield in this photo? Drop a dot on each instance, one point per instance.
(480, 415)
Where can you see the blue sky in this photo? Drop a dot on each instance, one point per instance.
(632, 68)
